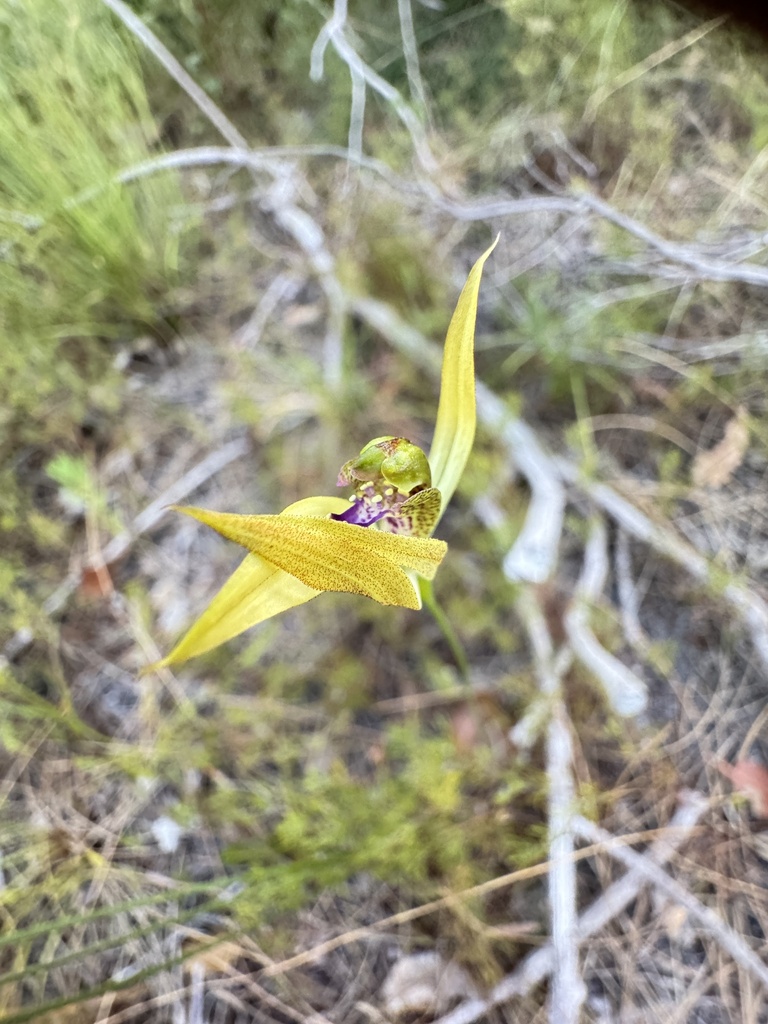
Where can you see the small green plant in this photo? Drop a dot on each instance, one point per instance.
(79, 491)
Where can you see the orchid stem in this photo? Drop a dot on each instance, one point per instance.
(444, 625)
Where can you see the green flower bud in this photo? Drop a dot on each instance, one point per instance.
(394, 461)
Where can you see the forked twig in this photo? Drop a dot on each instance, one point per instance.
(626, 692)
(747, 606)
(333, 32)
(721, 932)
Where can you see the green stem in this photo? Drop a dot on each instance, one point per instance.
(444, 625)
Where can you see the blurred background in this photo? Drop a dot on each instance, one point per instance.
(232, 233)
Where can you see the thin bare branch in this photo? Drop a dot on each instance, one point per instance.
(201, 99)
(703, 268)
(533, 555)
(334, 24)
(567, 991)
(308, 234)
(411, 54)
(748, 607)
(491, 208)
(690, 258)
(187, 484)
(281, 288)
(356, 116)
(333, 32)
(629, 601)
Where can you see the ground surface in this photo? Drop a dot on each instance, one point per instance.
(326, 820)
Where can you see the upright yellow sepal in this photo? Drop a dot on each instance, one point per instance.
(456, 412)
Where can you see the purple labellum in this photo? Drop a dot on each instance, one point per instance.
(371, 506)
(362, 513)
(376, 502)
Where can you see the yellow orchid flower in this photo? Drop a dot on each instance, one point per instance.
(372, 544)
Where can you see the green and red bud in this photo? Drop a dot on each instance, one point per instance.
(395, 461)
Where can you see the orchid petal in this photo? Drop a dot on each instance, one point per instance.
(326, 554)
(456, 414)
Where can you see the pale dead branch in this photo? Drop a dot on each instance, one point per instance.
(748, 607)
(411, 54)
(335, 32)
(163, 55)
(567, 991)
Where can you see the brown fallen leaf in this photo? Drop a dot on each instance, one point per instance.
(464, 729)
(715, 467)
(751, 780)
(96, 582)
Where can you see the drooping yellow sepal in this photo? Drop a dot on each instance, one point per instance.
(255, 592)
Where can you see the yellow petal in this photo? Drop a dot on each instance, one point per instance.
(455, 426)
(253, 593)
(329, 555)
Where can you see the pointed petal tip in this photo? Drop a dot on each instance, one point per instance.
(456, 411)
